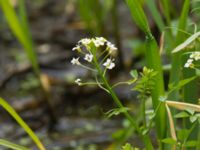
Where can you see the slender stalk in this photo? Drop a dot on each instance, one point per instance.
(143, 111)
(146, 139)
(172, 127)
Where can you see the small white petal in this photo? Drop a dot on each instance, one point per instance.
(85, 41)
(111, 47)
(78, 48)
(109, 64)
(99, 41)
(78, 81)
(75, 61)
(88, 57)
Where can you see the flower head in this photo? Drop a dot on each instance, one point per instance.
(78, 81)
(188, 63)
(75, 61)
(88, 57)
(109, 64)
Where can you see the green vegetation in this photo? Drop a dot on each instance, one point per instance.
(168, 107)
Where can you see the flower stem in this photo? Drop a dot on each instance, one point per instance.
(144, 137)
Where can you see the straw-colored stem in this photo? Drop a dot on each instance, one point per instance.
(183, 106)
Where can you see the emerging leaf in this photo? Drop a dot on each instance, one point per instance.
(169, 141)
(182, 114)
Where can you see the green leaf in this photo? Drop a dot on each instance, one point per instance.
(191, 111)
(116, 111)
(193, 119)
(134, 74)
(190, 144)
(182, 115)
(186, 43)
(182, 134)
(11, 145)
(156, 14)
(180, 84)
(169, 141)
(138, 15)
(166, 10)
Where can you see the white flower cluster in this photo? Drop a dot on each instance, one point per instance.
(88, 45)
(195, 56)
(98, 41)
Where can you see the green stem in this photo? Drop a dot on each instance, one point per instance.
(143, 111)
(154, 62)
(145, 138)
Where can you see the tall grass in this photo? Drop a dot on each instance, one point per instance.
(176, 58)
(19, 120)
(154, 62)
(20, 28)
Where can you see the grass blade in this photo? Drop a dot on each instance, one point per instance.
(20, 121)
(12, 145)
(156, 15)
(176, 58)
(138, 15)
(166, 10)
(154, 62)
(186, 43)
(17, 28)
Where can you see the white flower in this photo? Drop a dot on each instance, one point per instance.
(109, 64)
(85, 41)
(88, 57)
(99, 41)
(195, 55)
(75, 61)
(78, 81)
(188, 63)
(78, 48)
(111, 47)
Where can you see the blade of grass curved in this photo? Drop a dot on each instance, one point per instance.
(21, 33)
(156, 15)
(23, 20)
(11, 145)
(20, 121)
(138, 15)
(166, 10)
(186, 43)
